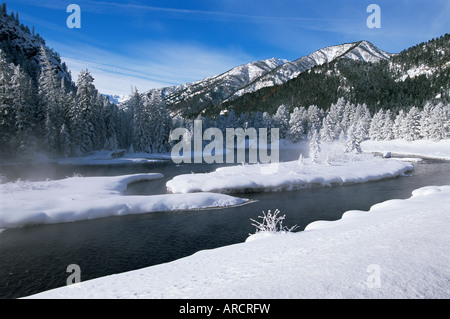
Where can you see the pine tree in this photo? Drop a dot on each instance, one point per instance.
(386, 129)
(65, 141)
(24, 105)
(399, 125)
(438, 120)
(375, 130)
(50, 100)
(363, 118)
(82, 117)
(314, 118)
(353, 139)
(349, 116)
(411, 125)
(426, 121)
(268, 124)
(335, 119)
(160, 123)
(281, 120)
(327, 131)
(297, 124)
(7, 111)
(141, 140)
(314, 147)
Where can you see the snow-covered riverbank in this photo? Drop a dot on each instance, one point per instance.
(399, 249)
(350, 169)
(422, 148)
(79, 198)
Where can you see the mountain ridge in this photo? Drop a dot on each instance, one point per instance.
(307, 62)
(207, 95)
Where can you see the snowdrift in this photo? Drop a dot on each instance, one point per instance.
(289, 175)
(78, 198)
(423, 148)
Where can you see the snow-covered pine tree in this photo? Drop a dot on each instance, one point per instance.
(353, 140)
(50, 99)
(141, 135)
(426, 122)
(268, 124)
(7, 112)
(65, 140)
(24, 106)
(297, 124)
(363, 116)
(98, 114)
(281, 121)
(111, 116)
(267, 121)
(314, 118)
(447, 120)
(82, 119)
(399, 125)
(335, 118)
(388, 123)
(328, 129)
(348, 117)
(314, 146)
(375, 130)
(411, 125)
(160, 124)
(437, 130)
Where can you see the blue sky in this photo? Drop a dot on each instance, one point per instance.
(159, 43)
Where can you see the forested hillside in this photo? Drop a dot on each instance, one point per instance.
(43, 111)
(410, 78)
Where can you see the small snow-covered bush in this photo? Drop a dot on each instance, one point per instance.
(272, 222)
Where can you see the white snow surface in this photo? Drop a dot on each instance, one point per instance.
(290, 175)
(422, 148)
(398, 249)
(79, 198)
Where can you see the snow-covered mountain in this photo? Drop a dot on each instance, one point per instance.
(207, 95)
(391, 81)
(193, 97)
(362, 51)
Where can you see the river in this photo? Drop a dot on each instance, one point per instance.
(35, 258)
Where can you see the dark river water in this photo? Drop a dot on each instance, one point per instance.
(35, 258)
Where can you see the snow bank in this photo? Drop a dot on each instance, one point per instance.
(421, 148)
(289, 175)
(78, 198)
(399, 249)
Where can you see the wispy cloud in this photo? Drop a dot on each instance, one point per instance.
(151, 65)
(111, 7)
